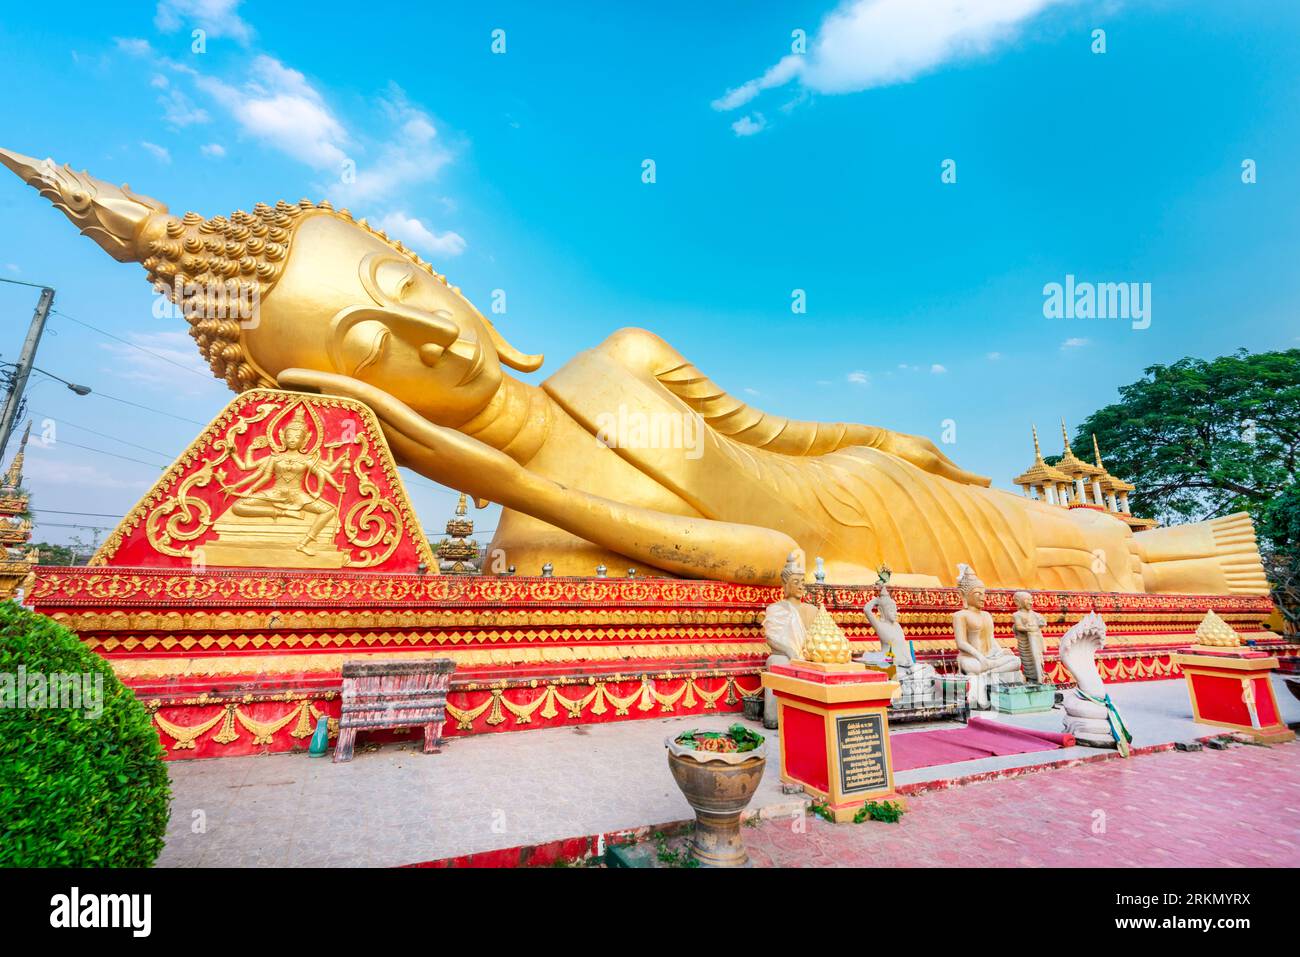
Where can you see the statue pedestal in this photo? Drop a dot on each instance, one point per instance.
(834, 732)
(1231, 689)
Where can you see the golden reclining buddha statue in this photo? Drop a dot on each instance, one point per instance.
(577, 462)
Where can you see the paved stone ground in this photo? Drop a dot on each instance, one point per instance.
(396, 806)
(1234, 808)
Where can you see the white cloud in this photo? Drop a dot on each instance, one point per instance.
(415, 234)
(135, 46)
(179, 110)
(749, 124)
(994, 356)
(13, 268)
(858, 377)
(871, 43)
(212, 149)
(937, 369)
(411, 154)
(749, 391)
(218, 18)
(48, 466)
(278, 106)
(1074, 343)
(157, 366)
(159, 153)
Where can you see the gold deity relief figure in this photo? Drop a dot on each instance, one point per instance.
(344, 311)
(280, 486)
(272, 491)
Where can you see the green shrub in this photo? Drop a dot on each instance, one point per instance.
(76, 789)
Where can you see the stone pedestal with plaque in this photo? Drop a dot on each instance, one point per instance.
(834, 731)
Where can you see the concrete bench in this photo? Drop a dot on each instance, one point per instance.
(390, 694)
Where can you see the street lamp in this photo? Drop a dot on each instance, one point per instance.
(79, 389)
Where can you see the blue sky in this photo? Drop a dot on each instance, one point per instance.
(522, 171)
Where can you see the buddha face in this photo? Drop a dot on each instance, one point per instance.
(795, 588)
(975, 599)
(348, 303)
(1024, 600)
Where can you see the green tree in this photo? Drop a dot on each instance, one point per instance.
(1203, 438)
(54, 554)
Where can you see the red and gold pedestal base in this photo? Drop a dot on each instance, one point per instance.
(1231, 689)
(834, 732)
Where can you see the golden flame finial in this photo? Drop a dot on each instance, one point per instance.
(1066, 438)
(120, 221)
(1096, 451)
(1038, 452)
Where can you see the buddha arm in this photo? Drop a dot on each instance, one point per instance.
(653, 359)
(693, 547)
(964, 646)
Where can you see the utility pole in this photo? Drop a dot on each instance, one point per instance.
(18, 380)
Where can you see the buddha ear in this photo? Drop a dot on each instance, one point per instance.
(509, 354)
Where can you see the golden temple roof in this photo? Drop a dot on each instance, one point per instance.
(1040, 473)
(1109, 482)
(1073, 465)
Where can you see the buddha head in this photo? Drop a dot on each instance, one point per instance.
(1024, 601)
(792, 579)
(328, 294)
(970, 588)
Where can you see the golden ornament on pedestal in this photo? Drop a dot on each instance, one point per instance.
(1214, 632)
(826, 642)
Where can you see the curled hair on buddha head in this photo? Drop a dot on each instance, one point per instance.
(968, 581)
(792, 568)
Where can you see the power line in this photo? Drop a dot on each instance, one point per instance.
(126, 458)
(59, 420)
(93, 528)
(59, 511)
(19, 282)
(127, 342)
(105, 395)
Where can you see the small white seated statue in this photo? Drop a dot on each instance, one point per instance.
(979, 656)
(785, 629)
(915, 679)
(1089, 714)
(1028, 626)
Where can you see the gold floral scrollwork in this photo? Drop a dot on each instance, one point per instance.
(373, 525)
(179, 518)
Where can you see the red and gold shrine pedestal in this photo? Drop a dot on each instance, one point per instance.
(834, 732)
(1231, 689)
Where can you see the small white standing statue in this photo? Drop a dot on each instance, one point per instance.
(979, 656)
(785, 628)
(1089, 714)
(1028, 626)
(915, 679)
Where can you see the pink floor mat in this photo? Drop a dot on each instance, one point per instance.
(982, 738)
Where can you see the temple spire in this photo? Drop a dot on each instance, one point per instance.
(1038, 452)
(1096, 451)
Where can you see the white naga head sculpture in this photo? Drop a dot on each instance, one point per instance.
(1078, 652)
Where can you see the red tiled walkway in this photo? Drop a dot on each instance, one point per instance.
(1239, 807)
